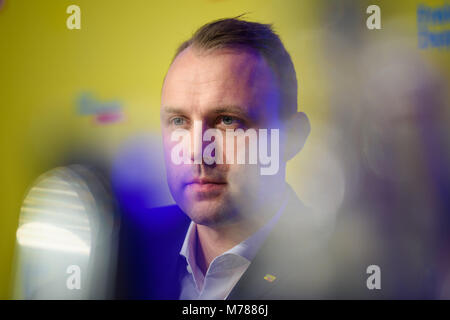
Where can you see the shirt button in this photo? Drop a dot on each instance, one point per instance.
(189, 269)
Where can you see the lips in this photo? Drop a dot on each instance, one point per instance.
(205, 185)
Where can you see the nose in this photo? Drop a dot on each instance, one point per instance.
(197, 143)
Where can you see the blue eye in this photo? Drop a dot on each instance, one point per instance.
(178, 121)
(227, 120)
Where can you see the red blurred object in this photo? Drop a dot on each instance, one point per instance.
(109, 117)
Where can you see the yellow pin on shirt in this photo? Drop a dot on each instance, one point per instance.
(269, 277)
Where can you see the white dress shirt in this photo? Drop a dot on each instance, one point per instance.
(225, 270)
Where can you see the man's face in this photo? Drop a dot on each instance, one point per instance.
(224, 89)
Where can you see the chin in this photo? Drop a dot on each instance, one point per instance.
(209, 213)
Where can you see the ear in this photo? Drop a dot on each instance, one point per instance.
(297, 131)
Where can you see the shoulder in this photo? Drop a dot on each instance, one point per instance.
(298, 222)
(297, 252)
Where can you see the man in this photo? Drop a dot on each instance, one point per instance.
(235, 233)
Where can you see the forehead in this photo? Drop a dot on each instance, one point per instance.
(198, 81)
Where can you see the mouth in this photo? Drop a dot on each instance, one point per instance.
(205, 186)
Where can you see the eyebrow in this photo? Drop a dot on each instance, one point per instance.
(173, 110)
(231, 109)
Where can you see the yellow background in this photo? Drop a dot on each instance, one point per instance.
(122, 53)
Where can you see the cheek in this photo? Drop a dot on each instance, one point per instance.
(167, 143)
(243, 178)
(175, 174)
(174, 178)
(173, 171)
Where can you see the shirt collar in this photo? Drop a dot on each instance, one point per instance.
(188, 251)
